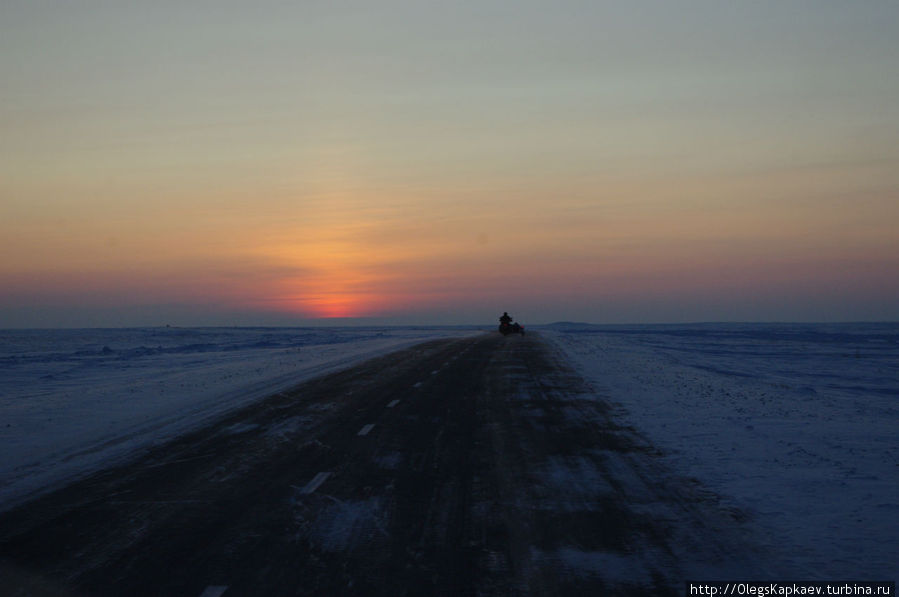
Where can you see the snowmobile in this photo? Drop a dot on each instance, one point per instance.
(506, 328)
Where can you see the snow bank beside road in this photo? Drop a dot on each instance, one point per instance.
(72, 401)
(793, 424)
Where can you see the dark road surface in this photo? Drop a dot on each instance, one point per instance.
(481, 466)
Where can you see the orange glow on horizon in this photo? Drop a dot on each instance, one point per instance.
(348, 266)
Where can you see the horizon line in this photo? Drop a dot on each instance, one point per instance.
(362, 324)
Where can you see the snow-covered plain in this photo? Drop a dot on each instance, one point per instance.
(795, 425)
(72, 401)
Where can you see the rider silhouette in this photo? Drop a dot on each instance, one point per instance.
(505, 319)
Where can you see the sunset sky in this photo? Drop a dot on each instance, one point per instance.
(244, 163)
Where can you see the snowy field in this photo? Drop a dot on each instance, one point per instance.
(795, 425)
(72, 401)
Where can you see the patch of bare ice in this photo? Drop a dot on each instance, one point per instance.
(345, 524)
(610, 567)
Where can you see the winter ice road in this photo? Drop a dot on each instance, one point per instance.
(476, 466)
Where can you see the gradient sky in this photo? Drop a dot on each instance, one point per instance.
(240, 163)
